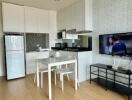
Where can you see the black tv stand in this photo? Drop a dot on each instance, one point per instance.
(112, 83)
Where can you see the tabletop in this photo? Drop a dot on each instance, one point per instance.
(52, 60)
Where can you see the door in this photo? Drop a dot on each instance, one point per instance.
(15, 64)
(13, 18)
(13, 42)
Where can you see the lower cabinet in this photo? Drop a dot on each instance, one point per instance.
(31, 63)
(84, 62)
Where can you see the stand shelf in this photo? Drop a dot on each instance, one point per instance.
(112, 83)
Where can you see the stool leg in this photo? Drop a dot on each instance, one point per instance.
(41, 80)
(35, 78)
(55, 78)
(60, 77)
(62, 82)
(68, 77)
(78, 83)
(67, 74)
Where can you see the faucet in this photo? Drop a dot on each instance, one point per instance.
(38, 47)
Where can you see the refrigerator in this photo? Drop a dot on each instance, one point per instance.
(15, 56)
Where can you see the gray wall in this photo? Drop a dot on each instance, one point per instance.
(110, 16)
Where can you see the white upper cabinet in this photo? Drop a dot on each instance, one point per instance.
(18, 18)
(52, 21)
(77, 16)
(31, 20)
(43, 21)
(61, 20)
(71, 36)
(64, 19)
(13, 18)
(68, 36)
(88, 15)
(36, 20)
(68, 18)
(52, 27)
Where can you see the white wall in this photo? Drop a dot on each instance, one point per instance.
(110, 16)
(2, 69)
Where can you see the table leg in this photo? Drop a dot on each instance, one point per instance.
(98, 74)
(76, 79)
(114, 77)
(49, 82)
(37, 75)
(106, 80)
(129, 87)
(90, 74)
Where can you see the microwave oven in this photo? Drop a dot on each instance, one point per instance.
(61, 35)
(61, 45)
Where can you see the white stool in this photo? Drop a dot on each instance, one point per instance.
(62, 72)
(41, 71)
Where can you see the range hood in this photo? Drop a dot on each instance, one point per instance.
(71, 31)
(63, 30)
(83, 31)
(74, 31)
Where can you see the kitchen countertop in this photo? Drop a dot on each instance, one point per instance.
(37, 52)
(73, 49)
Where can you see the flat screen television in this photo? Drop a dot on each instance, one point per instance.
(116, 44)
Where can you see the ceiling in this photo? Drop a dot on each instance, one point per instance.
(44, 4)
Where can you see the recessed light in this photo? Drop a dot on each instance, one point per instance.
(56, 0)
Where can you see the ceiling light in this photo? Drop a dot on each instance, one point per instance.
(56, 0)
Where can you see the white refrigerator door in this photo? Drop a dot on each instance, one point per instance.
(14, 43)
(15, 64)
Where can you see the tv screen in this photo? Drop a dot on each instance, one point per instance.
(116, 44)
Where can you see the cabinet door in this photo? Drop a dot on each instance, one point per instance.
(88, 15)
(79, 15)
(68, 18)
(64, 19)
(53, 28)
(84, 60)
(69, 36)
(13, 18)
(42, 55)
(75, 36)
(30, 19)
(60, 20)
(31, 63)
(74, 15)
(52, 21)
(31, 60)
(43, 21)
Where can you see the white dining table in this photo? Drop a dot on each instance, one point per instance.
(51, 62)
